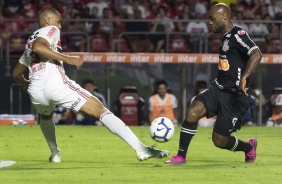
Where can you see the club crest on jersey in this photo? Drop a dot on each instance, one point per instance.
(51, 32)
(225, 46)
(241, 32)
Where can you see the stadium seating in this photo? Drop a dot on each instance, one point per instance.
(129, 106)
(275, 45)
(99, 44)
(214, 43)
(120, 45)
(178, 44)
(17, 44)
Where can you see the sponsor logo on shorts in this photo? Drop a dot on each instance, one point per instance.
(234, 120)
(75, 103)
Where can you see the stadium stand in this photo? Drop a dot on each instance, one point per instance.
(111, 18)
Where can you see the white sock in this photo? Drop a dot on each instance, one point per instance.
(48, 130)
(116, 126)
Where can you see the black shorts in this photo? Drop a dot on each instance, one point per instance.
(228, 107)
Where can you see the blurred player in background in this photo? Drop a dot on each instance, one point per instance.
(163, 103)
(48, 86)
(62, 116)
(227, 96)
(82, 119)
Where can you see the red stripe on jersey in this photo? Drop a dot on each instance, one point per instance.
(30, 44)
(59, 43)
(34, 63)
(81, 93)
(72, 87)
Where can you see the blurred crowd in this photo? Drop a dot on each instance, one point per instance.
(103, 21)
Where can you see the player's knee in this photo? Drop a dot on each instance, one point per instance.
(97, 112)
(196, 111)
(193, 115)
(93, 107)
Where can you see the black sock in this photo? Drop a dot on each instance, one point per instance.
(235, 144)
(188, 130)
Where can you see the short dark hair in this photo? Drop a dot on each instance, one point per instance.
(160, 82)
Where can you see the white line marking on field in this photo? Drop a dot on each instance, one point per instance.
(6, 163)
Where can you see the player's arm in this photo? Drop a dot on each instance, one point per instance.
(252, 64)
(42, 47)
(19, 77)
(247, 46)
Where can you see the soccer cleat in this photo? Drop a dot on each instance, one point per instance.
(176, 160)
(150, 152)
(250, 157)
(55, 158)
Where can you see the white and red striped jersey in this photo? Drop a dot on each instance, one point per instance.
(42, 69)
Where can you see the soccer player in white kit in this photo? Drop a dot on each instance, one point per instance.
(48, 86)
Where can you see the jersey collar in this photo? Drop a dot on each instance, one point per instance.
(229, 30)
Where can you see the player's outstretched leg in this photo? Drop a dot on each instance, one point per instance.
(94, 107)
(48, 129)
(116, 126)
(250, 156)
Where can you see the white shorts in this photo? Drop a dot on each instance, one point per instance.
(69, 95)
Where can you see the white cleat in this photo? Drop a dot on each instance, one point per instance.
(55, 158)
(151, 152)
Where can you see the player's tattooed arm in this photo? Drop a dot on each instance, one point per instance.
(42, 47)
(252, 64)
(19, 77)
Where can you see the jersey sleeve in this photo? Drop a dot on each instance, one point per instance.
(244, 42)
(50, 33)
(23, 60)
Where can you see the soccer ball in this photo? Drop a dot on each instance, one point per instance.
(161, 129)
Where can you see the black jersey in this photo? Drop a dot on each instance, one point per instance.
(234, 52)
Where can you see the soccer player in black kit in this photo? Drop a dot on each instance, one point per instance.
(226, 97)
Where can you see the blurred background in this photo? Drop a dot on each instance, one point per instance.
(147, 26)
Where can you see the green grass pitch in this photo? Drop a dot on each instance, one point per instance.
(94, 155)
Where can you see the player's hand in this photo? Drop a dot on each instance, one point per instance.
(242, 87)
(76, 60)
